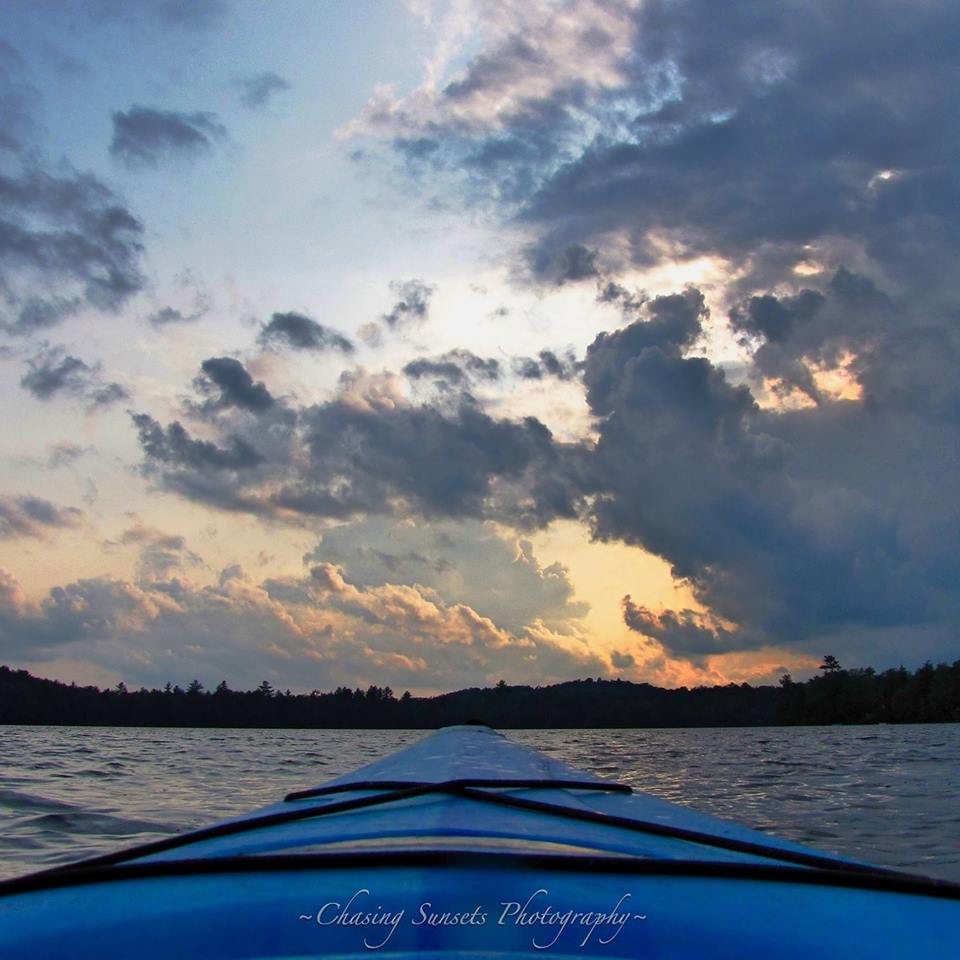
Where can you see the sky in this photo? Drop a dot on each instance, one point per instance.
(427, 344)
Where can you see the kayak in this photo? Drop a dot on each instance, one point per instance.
(469, 844)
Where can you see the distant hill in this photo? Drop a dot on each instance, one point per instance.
(930, 694)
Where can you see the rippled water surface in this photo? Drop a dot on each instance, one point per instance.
(886, 794)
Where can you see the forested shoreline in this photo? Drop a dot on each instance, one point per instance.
(930, 694)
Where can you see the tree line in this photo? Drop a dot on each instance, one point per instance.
(930, 694)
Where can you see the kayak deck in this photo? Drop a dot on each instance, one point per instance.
(469, 844)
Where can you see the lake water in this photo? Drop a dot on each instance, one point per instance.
(890, 795)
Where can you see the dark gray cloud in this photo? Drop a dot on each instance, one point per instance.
(303, 333)
(609, 291)
(442, 372)
(52, 372)
(622, 660)
(411, 309)
(67, 233)
(145, 136)
(227, 383)
(683, 633)
(573, 263)
(256, 91)
(798, 526)
(443, 464)
(460, 369)
(175, 447)
(766, 139)
(547, 365)
(62, 232)
(773, 319)
(770, 138)
(671, 325)
(27, 516)
(345, 457)
(454, 368)
(903, 347)
(517, 107)
(412, 306)
(38, 313)
(172, 315)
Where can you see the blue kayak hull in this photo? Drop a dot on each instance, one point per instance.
(474, 909)
(467, 844)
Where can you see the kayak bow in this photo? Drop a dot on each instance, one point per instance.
(467, 843)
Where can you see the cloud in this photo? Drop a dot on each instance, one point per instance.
(145, 136)
(257, 90)
(65, 454)
(609, 291)
(670, 326)
(175, 447)
(571, 264)
(793, 527)
(319, 630)
(622, 660)
(172, 315)
(191, 302)
(38, 313)
(464, 562)
(535, 68)
(454, 368)
(462, 463)
(227, 383)
(804, 495)
(547, 365)
(27, 516)
(411, 309)
(648, 134)
(160, 554)
(684, 633)
(67, 234)
(778, 519)
(53, 372)
(367, 450)
(371, 334)
(300, 332)
(412, 306)
(66, 240)
(458, 370)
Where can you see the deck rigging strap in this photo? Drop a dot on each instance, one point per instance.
(606, 786)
